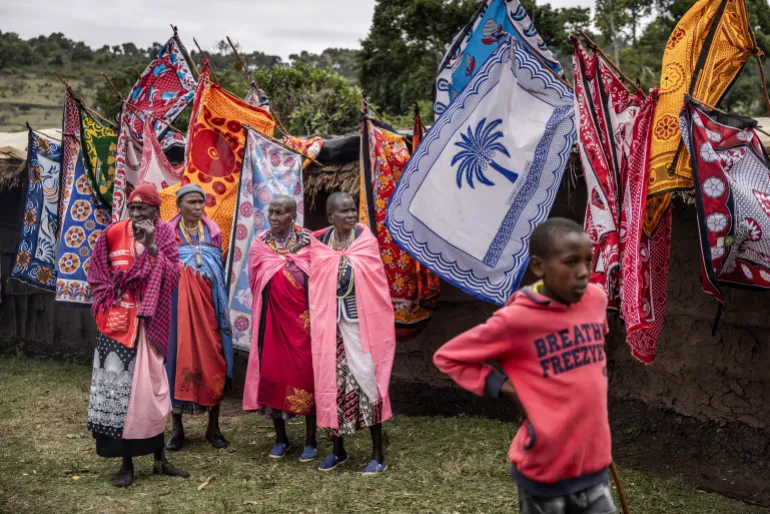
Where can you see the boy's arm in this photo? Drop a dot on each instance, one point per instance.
(462, 357)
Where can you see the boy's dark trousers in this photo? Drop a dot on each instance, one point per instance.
(594, 500)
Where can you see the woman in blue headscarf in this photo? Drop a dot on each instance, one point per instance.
(200, 352)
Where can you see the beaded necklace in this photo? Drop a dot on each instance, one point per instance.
(344, 262)
(196, 246)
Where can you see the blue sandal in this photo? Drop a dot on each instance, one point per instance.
(279, 450)
(308, 454)
(374, 468)
(331, 462)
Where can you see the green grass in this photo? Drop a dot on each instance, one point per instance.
(442, 465)
(44, 97)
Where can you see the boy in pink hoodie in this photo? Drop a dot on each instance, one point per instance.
(549, 341)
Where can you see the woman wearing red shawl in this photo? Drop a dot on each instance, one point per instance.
(353, 332)
(279, 378)
(200, 347)
(134, 271)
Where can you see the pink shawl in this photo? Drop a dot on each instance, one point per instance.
(375, 315)
(264, 263)
(214, 231)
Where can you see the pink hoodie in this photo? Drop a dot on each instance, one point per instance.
(554, 356)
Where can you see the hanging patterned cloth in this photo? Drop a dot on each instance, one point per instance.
(35, 261)
(486, 174)
(731, 170)
(704, 55)
(162, 92)
(478, 40)
(387, 157)
(644, 265)
(155, 167)
(606, 112)
(215, 148)
(268, 171)
(82, 221)
(99, 144)
(310, 147)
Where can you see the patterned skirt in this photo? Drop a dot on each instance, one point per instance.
(111, 384)
(355, 410)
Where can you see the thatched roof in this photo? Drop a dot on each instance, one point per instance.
(12, 171)
(330, 178)
(13, 155)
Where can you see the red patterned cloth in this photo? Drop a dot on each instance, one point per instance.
(731, 171)
(644, 261)
(388, 155)
(150, 280)
(606, 112)
(163, 90)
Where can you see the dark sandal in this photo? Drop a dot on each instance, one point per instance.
(175, 442)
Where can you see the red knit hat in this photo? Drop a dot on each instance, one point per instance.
(146, 193)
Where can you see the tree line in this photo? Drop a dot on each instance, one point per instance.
(397, 62)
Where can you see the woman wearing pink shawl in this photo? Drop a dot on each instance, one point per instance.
(279, 378)
(353, 332)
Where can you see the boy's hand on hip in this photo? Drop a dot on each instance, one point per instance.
(508, 390)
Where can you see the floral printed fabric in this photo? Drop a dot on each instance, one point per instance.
(732, 184)
(82, 223)
(268, 171)
(215, 150)
(39, 231)
(710, 44)
(309, 147)
(388, 155)
(99, 145)
(163, 90)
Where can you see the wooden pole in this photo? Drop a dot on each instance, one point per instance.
(83, 103)
(762, 79)
(621, 490)
(712, 108)
(203, 56)
(611, 64)
(282, 145)
(249, 78)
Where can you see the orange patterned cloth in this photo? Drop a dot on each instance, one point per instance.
(712, 43)
(215, 148)
(308, 147)
(388, 155)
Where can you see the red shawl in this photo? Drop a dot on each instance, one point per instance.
(153, 283)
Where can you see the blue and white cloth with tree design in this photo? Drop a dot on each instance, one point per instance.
(486, 174)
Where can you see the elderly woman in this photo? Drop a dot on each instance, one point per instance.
(200, 351)
(279, 379)
(134, 271)
(353, 332)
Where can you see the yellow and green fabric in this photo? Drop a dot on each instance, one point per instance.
(99, 147)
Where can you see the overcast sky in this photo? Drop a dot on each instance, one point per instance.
(276, 27)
